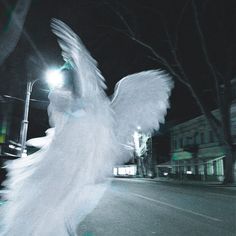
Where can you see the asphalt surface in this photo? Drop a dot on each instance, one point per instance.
(139, 208)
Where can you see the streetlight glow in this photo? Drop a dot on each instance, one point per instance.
(54, 78)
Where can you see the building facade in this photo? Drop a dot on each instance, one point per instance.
(195, 152)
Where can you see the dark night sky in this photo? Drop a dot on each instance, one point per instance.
(97, 25)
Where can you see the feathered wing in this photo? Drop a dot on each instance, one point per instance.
(42, 141)
(88, 79)
(141, 100)
(87, 83)
(48, 189)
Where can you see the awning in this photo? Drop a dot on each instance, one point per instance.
(203, 161)
(211, 152)
(176, 156)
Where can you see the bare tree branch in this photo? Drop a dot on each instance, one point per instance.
(212, 120)
(182, 77)
(219, 126)
(179, 22)
(206, 55)
(214, 74)
(214, 123)
(123, 20)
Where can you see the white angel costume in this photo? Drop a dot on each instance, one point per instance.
(50, 191)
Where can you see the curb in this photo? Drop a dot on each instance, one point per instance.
(218, 185)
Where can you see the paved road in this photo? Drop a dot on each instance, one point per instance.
(142, 208)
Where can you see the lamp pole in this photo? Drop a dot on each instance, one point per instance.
(55, 78)
(25, 122)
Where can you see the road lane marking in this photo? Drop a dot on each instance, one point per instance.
(178, 208)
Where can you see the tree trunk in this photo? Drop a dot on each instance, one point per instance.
(229, 165)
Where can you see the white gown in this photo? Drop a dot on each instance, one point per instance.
(51, 191)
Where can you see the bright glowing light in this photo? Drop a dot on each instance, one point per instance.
(54, 78)
(136, 137)
(189, 172)
(165, 173)
(132, 170)
(138, 127)
(24, 154)
(121, 171)
(125, 170)
(11, 146)
(115, 172)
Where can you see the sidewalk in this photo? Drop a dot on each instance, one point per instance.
(191, 182)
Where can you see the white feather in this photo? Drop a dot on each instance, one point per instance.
(42, 141)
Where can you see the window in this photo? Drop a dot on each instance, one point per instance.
(202, 138)
(211, 137)
(181, 142)
(195, 138)
(186, 141)
(214, 168)
(176, 145)
(190, 140)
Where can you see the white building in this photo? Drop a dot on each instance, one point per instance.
(195, 151)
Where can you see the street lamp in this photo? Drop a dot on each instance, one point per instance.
(55, 79)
